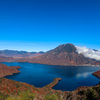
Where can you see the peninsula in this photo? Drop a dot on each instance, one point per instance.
(5, 70)
(97, 74)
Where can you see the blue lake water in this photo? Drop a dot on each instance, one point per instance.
(40, 75)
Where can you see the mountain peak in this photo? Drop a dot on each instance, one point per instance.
(69, 48)
(65, 54)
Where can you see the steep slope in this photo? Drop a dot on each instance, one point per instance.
(65, 54)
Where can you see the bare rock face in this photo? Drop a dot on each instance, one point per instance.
(5, 70)
(65, 54)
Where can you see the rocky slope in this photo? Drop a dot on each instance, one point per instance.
(5, 70)
(65, 54)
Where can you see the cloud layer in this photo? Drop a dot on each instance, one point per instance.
(90, 53)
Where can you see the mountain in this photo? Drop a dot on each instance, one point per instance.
(15, 53)
(65, 54)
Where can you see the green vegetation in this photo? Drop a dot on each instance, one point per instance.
(91, 94)
(69, 96)
(27, 96)
(21, 91)
(17, 85)
(3, 96)
(52, 97)
(1, 80)
(12, 98)
(97, 89)
(22, 96)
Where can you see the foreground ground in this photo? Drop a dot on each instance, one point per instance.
(13, 90)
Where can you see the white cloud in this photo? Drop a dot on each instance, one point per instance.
(94, 54)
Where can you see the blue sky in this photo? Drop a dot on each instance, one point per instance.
(36, 25)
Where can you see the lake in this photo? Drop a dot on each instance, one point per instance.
(40, 75)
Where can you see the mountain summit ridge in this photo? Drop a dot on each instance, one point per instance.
(69, 48)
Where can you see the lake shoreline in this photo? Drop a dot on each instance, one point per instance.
(49, 64)
(39, 74)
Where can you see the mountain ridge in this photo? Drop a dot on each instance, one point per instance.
(65, 55)
(16, 53)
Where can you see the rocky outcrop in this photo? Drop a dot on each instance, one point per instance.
(5, 70)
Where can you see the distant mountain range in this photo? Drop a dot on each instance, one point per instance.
(66, 54)
(15, 53)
